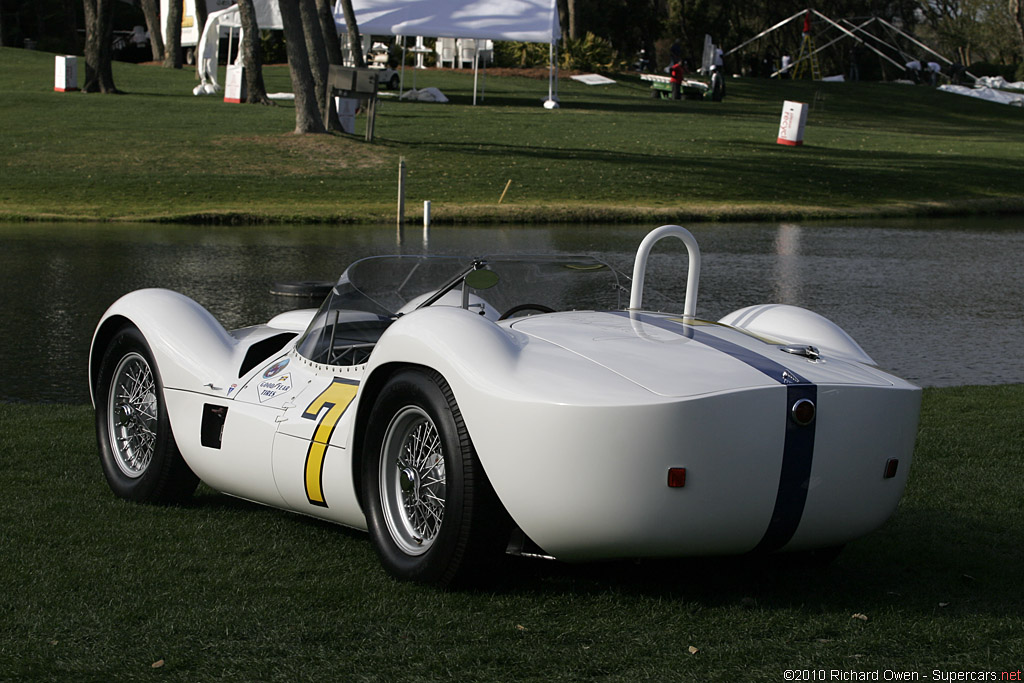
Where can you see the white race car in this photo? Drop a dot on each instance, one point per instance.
(430, 402)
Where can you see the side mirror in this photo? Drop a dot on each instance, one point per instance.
(482, 279)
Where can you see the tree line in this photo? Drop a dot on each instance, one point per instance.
(595, 33)
(968, 31)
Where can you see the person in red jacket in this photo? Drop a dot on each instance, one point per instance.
(676, 73)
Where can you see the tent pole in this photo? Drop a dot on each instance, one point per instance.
(922, 45)
(476, 66)
(552, 101)
(766, 32)
(872, 47)
(401, 79)
(914, 41)
(837, 26)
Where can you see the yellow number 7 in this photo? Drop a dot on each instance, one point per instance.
(332, 402)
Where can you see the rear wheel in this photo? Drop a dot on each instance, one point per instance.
(137, 451)
(432, 513)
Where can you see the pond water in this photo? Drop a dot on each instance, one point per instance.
(937, 302)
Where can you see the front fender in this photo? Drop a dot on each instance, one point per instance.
(193, 351)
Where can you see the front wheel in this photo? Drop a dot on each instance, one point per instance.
(137, 451)
(431, 511)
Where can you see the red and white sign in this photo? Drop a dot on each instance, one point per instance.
(234, 84)
(791, 127)
(65, 74)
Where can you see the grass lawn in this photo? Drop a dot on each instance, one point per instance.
(97, 589)
(610, 153)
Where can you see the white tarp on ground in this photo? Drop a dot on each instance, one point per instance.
(989, 94)
(530, 21)
(1000, 83)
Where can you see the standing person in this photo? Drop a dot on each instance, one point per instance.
(914, 70)
(855, 62)
(676, 70)
(717, 84)
(676, 73)
(933, 73)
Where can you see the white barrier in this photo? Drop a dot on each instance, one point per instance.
(791, 127)
(65, 75)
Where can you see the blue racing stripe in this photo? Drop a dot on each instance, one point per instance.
(778, 372)
(798, 448)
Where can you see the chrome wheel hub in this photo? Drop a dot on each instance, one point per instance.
(412, 480)
(132, 415)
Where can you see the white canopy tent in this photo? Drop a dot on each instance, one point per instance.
(528, 21)
(533, 21)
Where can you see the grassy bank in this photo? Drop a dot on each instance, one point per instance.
(96, 589)
(611, 153)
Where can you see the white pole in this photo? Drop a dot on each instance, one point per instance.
(401, 78)
(401, 192)
(476, 66)
(765, 32)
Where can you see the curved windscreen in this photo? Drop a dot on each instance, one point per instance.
(372, 292)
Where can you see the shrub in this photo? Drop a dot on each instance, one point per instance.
(589, 53)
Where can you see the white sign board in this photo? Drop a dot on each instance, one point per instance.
(65, 74)
(234, 84)
(791, 127)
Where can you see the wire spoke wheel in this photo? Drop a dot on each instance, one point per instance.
(132, 415)
(431, 512)
(139, 456)
(413, 485)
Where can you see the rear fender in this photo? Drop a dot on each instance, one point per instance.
(497, 376)
(795, 325)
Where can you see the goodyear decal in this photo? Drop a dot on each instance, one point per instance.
(798, 449)
(329, 406)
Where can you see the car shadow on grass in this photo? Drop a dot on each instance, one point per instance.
(925, 560)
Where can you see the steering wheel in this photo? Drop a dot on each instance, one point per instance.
(541, 308)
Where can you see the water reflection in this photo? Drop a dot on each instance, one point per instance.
(787, 264)
(936, 302)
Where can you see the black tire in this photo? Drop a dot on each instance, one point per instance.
(394, 82)
(137, 451)
(310, 289)
(432, 514)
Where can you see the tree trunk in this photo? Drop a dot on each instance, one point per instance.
(99, 28)
(252, 55)
(333, 47)
(172, 48)
(573, 28)
(1017, 12)
(315, 48)
(71, 39)
(202, 14)
(563, 19)
(307, 119)
(151, 10)
(355, 41)
(330, 31)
